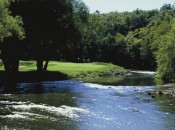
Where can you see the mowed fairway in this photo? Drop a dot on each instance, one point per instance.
(67, 67)
(76, 67)
(75, 70)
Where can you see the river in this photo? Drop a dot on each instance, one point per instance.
(74, 105)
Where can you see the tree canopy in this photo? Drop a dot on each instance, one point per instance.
(52, 28)
(9, 25)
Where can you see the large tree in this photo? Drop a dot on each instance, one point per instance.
(50, 28)
(9, 26)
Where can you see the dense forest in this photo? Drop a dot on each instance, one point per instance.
(137, 40)
(45, 30)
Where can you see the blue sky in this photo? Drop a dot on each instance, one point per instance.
(105, 6)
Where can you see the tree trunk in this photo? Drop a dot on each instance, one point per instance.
(6, 64)
(46, 65)
(15, 65)
(5, 55)
(10, 55)
(39, 65)
(10, 65)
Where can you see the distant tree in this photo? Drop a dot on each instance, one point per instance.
(166, 7)
(76, 45)
(139, 19)
(10, 28)
(162, 45)
(166, 57)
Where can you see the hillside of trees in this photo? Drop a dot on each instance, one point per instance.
(135, 40)
(45, 30)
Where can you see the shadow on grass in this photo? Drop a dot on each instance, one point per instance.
(31, 76)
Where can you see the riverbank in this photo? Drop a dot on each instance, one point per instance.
(62, 71)
(96, 72)
(168, 89)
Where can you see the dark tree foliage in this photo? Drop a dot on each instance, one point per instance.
(50, 29)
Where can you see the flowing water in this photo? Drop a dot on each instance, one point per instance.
(72, 105)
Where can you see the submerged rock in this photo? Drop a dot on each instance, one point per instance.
(153, 96)
(150, 93)
(160, 92)
(135, 110)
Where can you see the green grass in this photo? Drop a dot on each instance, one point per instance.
(81, 71)
(66, 66)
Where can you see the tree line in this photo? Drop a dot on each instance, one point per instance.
(135, 40)
(45, 30)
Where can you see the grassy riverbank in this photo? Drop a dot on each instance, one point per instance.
(102, 73)
(80, 71)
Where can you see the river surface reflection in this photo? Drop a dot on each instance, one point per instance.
(72, 105)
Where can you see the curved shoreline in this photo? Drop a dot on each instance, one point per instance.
(168, 89)
(34, 76)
